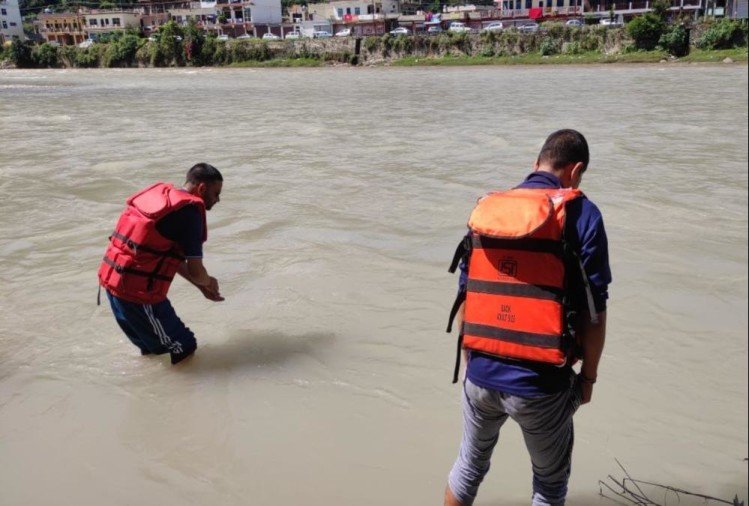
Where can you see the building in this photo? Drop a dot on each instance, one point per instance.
(11, 24)
(256, 17)
(100, 21)
(64, 28)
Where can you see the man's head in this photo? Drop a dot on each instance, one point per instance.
(565, 154)
(205, 181)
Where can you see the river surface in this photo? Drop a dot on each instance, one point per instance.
(324, 378)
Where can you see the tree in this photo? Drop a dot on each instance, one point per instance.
(646, 30)
(20, 54)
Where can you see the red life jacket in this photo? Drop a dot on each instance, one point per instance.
(140, 263)
(517, 277)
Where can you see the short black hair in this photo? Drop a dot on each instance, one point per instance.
(203, 173)
(564, 147)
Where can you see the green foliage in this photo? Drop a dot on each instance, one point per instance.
(371, 43)
(122, 52)
(244, 50)
(646, 30)
(403, 44)
(723, 34)
(590, 19)
(676, 40)
(193, 44)
(591, 40)
(20, 54)
(571, 48)
(548, 47)
(487, 51)
(207, 51)
(170, 44)
(660, 9)
(386, 43)
(554, 29)
(45, 56)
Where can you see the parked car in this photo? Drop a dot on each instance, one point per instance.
(574, 22)
(223, 37)
(528, 28)
(458, 27)
(611, 22)
(87, 43)
(321, 34)
(293, 35)
(434, 29)
(401, 30)
(270, 36)
(346, 32)
(495, 26)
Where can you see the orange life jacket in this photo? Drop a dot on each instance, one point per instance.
(140, 263)
(516, 294)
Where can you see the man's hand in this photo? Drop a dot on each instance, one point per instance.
(587, 392)
(211, 291)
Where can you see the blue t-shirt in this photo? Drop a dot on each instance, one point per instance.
(585, 231)
(185, 227)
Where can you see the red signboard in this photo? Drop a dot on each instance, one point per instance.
(535, 12)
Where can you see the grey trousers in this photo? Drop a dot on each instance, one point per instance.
(546, 423)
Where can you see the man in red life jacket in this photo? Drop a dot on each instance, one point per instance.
(159, 234)
(533, 289)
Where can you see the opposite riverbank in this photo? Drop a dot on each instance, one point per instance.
(725, 41)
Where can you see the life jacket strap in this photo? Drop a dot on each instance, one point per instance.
(120, 269)
(463, 249)
(456, 371)
(139, 247)
(98, 297)
(459, 300)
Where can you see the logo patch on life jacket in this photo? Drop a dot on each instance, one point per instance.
(508, 267)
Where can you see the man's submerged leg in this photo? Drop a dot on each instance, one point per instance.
(482, 419)
(172, 333)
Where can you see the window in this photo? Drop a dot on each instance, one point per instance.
(4, 12)
(5, 25)
(93, 22)
(357, 11)
(560, 3)
(548, 3)
(12, 23)
(528, 4)
(116, 21)
(340, 13)
(348, 10)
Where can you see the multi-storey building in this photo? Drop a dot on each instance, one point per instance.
(100, 21)
(64, 28)
(11, 24)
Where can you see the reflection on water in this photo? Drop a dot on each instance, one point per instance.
(325, 375)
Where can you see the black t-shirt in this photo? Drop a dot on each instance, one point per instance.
(185, 227)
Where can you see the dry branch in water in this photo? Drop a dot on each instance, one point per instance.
(628, 491)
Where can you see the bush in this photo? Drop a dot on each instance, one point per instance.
(571, 48)
(20, 54)
(646, 30)
(555, 30)
(548, 47)
(254, 50)
(723, 34)
(122, 52)
(371, 43)
(676, 41)
(45, 56)
(207, 51)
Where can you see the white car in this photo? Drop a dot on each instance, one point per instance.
(574, 22)
(496, 26)
(528, 28)
(270, 36)
(87, 43)
(346, 32)
(458, 27)
(401, 30)
(434, 29)
(223, 37)
(611, 22)
(293, 35)
(321, 34)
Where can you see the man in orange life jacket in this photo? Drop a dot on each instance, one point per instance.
(534, 285)
(160, 234)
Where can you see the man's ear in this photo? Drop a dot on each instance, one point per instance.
(200, 189)
(536, 165)
(577, 170)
